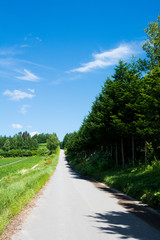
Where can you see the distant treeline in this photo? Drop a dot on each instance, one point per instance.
(124, 122)
(22, 144)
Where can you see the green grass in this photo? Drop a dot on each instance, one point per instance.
(141, 183)
(18, 188)
(26, 163)
(4, 161)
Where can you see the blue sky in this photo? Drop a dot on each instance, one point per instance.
(56, 55)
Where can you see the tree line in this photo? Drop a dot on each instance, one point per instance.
(124, 121)
(22, 144)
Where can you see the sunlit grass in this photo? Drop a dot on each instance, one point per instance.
(4, 161)
(19, 187)
(26, 163)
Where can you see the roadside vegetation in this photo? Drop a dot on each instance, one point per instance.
(21, 178)
(141, 182)
(119, 141)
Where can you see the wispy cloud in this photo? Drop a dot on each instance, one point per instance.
(35, 64)
(76, 77)
(17, 125)
(17, 95)
(12, 67)
(6, 74)
(107, 58)
(58, 81)
(24, 45)
(6, 62)
(31, 38)
(24, 109)
(38, 39)
(28, 76)
(8, 51)
(66, 78)
(31, 90)
(10, 62)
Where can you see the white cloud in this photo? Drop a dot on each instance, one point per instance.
(17, 125)
(17, 95)
(31, 90)
(34, 133)
(28, 76)
(107, 58)
(24, 109)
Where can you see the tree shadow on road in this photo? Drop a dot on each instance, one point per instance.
(125, 225)
(73, 172)
(140, 210)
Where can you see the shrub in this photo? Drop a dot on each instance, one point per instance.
(152, 199)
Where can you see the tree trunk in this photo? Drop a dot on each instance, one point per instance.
(133, 156)
(122, 150)
(116, 155)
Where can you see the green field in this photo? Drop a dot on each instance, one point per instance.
(19, 183)
(25, 163)
(4, 161)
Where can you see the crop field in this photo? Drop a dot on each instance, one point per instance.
(20, 181)
(5, 161)
(18, 164)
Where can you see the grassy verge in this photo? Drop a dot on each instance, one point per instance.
(19, 187)
(141, 183)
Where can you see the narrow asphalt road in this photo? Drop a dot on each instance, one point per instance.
(72, 208)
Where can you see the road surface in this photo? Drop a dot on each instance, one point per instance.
(72, 208)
